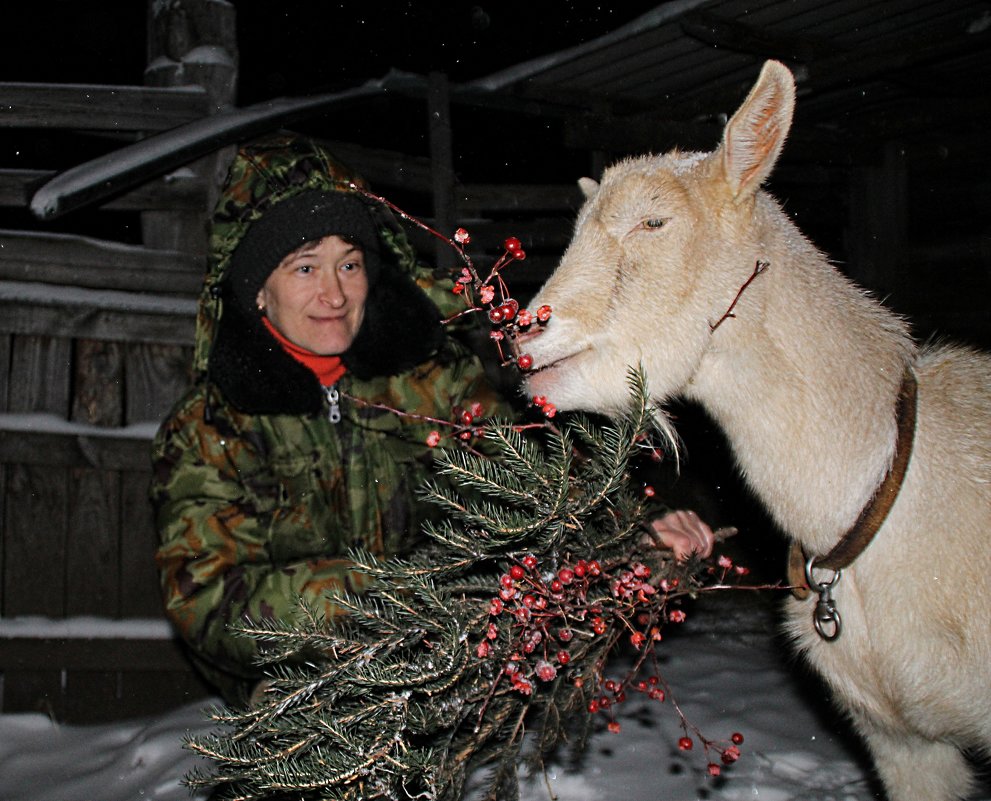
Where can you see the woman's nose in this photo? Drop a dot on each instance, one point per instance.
(331, 291)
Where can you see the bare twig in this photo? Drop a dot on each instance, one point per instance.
(759, 268)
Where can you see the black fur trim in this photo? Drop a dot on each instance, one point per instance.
(401, 328)
(254, 372)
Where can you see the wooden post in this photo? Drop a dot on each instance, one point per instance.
(191, 42)
(442, 159)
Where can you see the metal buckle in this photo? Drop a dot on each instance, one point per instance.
(825, 616)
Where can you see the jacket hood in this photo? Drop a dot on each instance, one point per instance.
(401, 327)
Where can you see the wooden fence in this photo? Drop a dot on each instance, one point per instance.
(95, 342)
(96, 339)
(96, 334)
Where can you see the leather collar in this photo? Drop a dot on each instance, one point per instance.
(873, 515)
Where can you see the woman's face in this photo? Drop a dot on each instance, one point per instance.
(316, 296)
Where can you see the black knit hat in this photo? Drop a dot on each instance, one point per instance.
(306, 217)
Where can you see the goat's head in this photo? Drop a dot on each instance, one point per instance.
(660, 249)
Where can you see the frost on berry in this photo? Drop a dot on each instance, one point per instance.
(546, 671)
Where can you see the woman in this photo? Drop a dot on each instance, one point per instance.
(281, 457)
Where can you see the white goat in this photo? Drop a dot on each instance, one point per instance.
(682, 264)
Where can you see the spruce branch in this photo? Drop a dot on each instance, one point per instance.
(502, 622)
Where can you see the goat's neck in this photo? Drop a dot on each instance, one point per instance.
(805, 390)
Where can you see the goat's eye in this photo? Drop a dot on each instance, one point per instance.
(653, 223)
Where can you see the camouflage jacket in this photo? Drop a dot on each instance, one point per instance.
(258, 495)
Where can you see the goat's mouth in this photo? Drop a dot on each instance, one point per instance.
(555, 363)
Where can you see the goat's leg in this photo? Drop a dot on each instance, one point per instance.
(915, 768)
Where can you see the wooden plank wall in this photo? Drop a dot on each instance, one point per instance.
(95, 346)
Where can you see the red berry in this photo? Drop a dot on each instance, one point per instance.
(593, 706)
(512, 244)
(516, 572)
(565, 635)
(685, 743)
(495, 315)
(649, 491)
(544, 313)
(736, 737)
(609, 685)
(545, 670)
(594, 567)
(529, 601)
(529, 561)
(556, 586)
(581, 568)
(539, 400)
(714, 769)
(566, 575)
(656, 694)
(525, 362)
(563, 657)
(613, 726)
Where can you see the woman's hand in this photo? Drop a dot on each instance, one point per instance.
(683, 532)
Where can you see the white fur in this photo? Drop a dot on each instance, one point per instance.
(803, 378)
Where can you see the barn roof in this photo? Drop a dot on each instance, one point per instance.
(867, 71)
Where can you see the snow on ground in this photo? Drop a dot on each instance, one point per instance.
(729, 677)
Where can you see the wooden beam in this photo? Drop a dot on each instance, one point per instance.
(728, 34)
(487, 198)
(96, 654)
(46, 440)
(100, 108)
(179, 191)
(97, 264)
(40, 309)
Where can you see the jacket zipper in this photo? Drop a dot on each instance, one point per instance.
(334, 401)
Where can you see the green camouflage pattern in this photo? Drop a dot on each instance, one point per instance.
(256, 512)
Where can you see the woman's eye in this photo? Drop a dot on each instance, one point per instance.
(350, 266)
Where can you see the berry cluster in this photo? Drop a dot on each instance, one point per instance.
(546, 619)
(728, 752)
(542, 623)
(494, 299)
(504, 312)
(465, 425)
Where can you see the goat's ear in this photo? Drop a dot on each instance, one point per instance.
(588, 186)
(755, 135)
